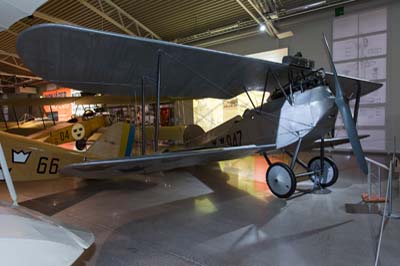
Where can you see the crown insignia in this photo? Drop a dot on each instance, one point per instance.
(20, 156)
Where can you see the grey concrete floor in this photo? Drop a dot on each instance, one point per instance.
(218, 215)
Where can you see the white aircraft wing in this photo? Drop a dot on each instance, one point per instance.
(12, 11)
(160, 161)
(30, 238)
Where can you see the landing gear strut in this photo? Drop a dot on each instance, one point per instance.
(280, 177)
(328, 176)
(282, 180)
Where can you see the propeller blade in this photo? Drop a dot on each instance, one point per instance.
(348, 121)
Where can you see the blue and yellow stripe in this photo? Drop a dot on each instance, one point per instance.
(127, 140)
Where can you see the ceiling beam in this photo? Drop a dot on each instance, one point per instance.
(14, 65)
(15, 57)
(12, 32)
(238, 26)
(19, 76)
(217, 36)
(266, 25)
(137, 22)
(234, 37)
(16, 33)
(49, 18)
(249, 12)
(106, 17)
(271, 30)
(9, 54)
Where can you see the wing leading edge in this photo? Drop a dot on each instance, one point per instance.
(160, 162)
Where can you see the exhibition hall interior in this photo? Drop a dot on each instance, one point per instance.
(208, 132)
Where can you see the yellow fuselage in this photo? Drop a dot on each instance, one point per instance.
(34, 160)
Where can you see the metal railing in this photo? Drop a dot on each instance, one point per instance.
(7, 176)
(388, 207)
(375, 170)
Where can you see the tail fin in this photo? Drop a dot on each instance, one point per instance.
(115, 141)
(191, 133)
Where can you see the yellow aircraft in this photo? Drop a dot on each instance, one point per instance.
(77, 129)
(32, 125)
(30, 159)
(72, 131)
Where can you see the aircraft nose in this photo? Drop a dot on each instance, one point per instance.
(310, 109)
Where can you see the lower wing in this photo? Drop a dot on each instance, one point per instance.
(160, 161)
(335, 141)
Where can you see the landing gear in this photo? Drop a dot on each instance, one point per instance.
(280, 177)
(80, 144)
(281, 180)
(329, 174)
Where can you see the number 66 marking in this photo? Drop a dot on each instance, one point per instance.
(43, 163)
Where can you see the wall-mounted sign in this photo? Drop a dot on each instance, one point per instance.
(26, 90)
(63, 111)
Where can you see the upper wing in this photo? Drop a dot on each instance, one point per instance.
(159, 162)
(350, 85)
(107, 62)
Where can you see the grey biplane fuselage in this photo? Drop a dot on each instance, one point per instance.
(311, 115)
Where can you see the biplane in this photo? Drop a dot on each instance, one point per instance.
(299, 114)
(78, 129)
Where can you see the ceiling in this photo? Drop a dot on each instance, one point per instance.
(181, 21)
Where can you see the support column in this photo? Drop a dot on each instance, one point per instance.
(15, 115)
(41, 115)
(143, 119)
(3, 116)
(157, 114)
(52, 116)
(322, 155)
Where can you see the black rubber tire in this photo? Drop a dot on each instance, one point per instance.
(292, 182)
(80, 144)
(331, 164)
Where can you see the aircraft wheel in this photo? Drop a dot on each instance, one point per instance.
(330, 174)
(281, 180)
(80, 144)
